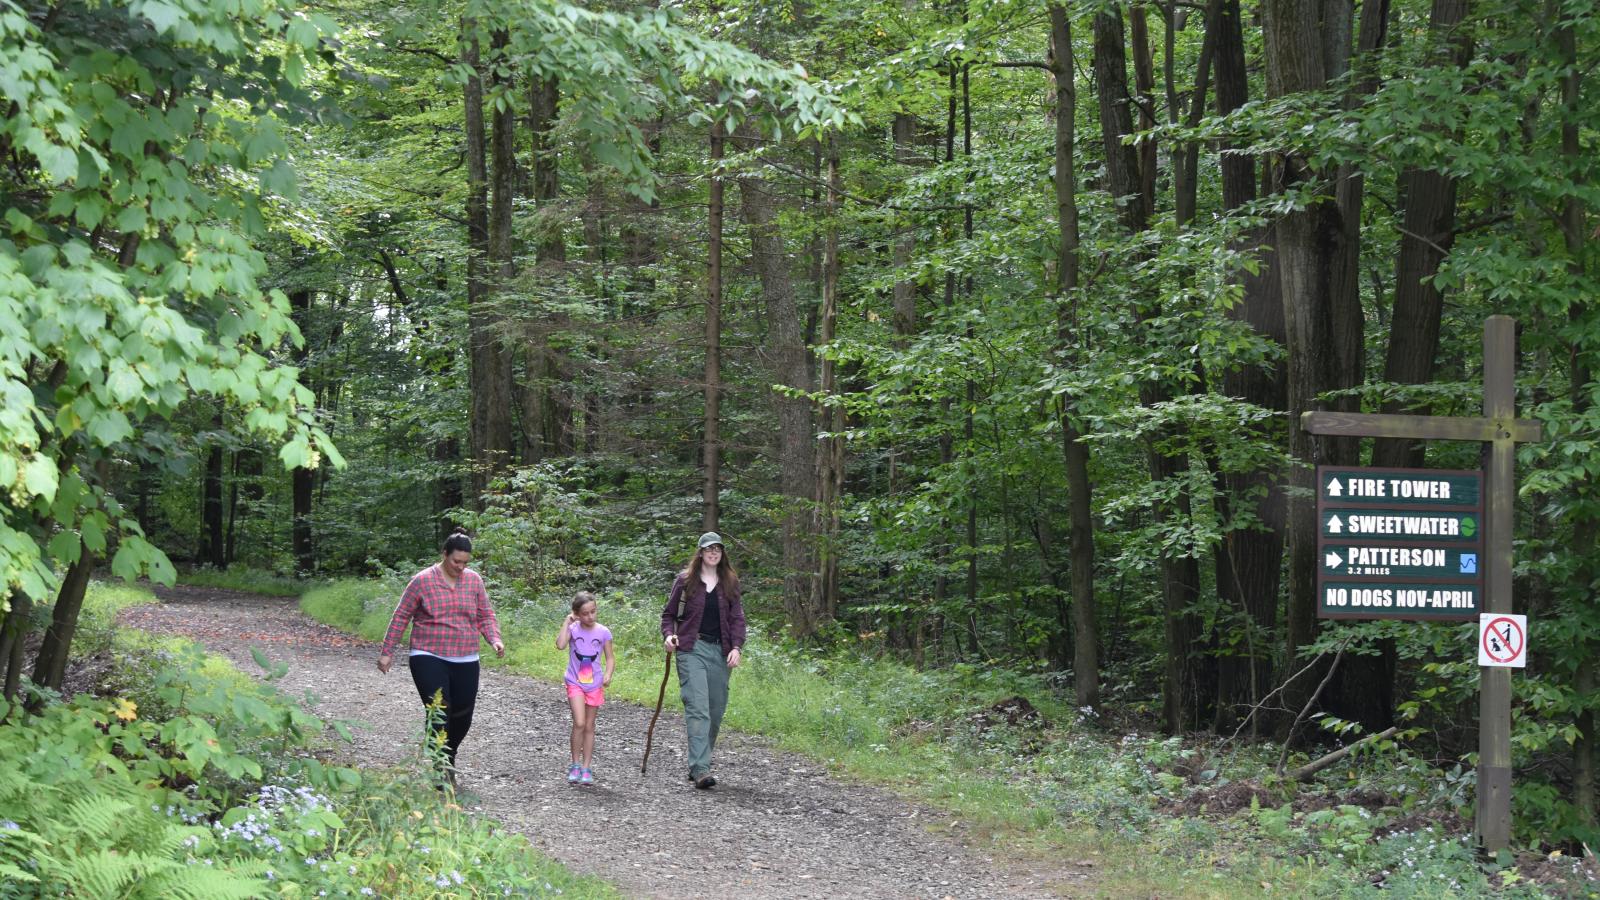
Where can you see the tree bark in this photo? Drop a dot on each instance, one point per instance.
(302, 479)
(710, 503)
(830, 455)
(1309, 244)
(796, 432)
(1575, 233)
(1180, 576)
(50, 665)
(905, 239)
(1075, 453)
(1249, 566)
(212, 549)
(489, 378)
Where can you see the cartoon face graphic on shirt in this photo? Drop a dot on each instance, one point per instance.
(586, 660)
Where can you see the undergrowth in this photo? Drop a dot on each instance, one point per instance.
(183, 777)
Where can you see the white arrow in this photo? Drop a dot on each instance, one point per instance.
(1333, 560)
(1335, 526)
(1333, 488)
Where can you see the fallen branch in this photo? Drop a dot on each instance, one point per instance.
(1288, 739)
(1317, 765)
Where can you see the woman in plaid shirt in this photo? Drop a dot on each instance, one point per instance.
(447, 608)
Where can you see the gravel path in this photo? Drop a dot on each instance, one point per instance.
(776, 826)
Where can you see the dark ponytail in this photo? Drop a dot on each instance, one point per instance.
(457, 542)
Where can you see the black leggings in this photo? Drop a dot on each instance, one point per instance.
(456, 683)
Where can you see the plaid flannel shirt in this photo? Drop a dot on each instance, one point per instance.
(445, 619)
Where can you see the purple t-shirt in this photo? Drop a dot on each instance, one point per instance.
(584, 669)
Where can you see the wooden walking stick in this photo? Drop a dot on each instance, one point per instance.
(651, 732)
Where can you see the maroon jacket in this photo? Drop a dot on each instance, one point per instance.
(687, 603)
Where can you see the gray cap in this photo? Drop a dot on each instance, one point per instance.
(709, 538)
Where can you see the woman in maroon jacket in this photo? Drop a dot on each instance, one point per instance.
(703, 623)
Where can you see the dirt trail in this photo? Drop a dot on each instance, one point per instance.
(777, 826)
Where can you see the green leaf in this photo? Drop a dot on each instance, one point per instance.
(93, 528)
(66, 547)
(39, 477)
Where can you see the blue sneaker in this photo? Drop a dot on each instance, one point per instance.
(574, 772)
(586, 777)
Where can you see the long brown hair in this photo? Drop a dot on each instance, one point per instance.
(725, 572)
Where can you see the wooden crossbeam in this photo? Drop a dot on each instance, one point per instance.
(1438, 428)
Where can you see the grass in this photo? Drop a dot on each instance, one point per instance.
(1072, 792)
(246, 580)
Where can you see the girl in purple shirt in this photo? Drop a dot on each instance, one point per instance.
(584, 639)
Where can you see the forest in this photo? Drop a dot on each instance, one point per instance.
(982, 331)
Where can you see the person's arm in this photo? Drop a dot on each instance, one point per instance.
(564, 636)
(669, 614)
(397, 624)
(736, 628)
(487, 623)
(611, 664)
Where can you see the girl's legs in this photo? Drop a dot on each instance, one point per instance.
(588, 734)
(579, 714)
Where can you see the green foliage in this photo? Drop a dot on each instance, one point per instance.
(126, 267)
(192, 781)
(251, 581)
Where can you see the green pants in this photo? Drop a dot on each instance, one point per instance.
(703, 684)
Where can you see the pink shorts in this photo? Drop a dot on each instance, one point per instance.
(590, 698)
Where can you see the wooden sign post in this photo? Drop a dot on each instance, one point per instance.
(1501, 430)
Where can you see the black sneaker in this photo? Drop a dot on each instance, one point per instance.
(706, 782)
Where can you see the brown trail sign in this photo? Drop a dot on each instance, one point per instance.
(1422, 510)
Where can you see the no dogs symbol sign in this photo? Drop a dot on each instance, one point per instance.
(1502, 640)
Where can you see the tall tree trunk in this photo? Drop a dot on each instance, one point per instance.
(1144, 84)
(796, 432)
(1249, 566)
(1575, 233)
(710, 503)
(905, 240)
(1075, 453)
(830, 455)
(545, 401)
(12, 636)
(1309, 246)
(1427, 234)
(50, 665)
(1180, 576)
(212, 549)
(972, 387)
(1363, 689)
(302, 479)
(489, 378)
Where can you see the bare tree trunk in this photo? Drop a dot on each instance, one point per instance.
(905, 240)
(710, 503)
(1180, 576)
(212, 549)
(12, 636)
(796, 432)
(1075, 453)
(490, 376)
(50, 665)
(1575, 233)
(1249, 566)
(1309, 243)
(830, 456)
(302, 479)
